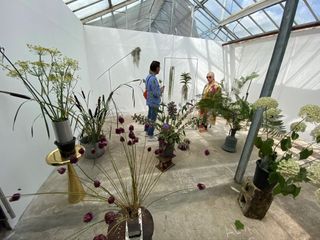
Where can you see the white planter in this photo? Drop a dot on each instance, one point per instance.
(141, 228)
(62, 131)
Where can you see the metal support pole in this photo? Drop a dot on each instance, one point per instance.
(268, 85)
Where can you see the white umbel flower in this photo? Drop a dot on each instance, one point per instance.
(288, 168)
(298, 126)
(313, 173)
(266, 103)
(311, 113)
(315, 132)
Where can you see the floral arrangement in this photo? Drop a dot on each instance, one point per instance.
(284, 166)
(50, 79)
(171, 122)
(185, 81)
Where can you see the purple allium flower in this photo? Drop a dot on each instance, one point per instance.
(165, 126)
(149, 149)
(130, 143)
(111, 199)
(88, 217)
(157, 151)
(121, 120)
(101, 145)
(131, 128)
(81, 151)
(103, 139)
(73, 159)
(122, 139)
(100, 237)
(122, 130)
(109, 217)
(118, 131)
(136, 140)
(93, 151)
(206, 152)
(201, 186)
(15, 197)
(61, 170)
(146, 126)
(96, 183)
(131, 135)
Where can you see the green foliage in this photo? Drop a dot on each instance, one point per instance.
(239, 225)
(305, 153)
(185, 81)
(238, 84)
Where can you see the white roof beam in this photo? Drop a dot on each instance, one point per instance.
(249, 10)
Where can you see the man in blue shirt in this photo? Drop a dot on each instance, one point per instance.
(154, 92)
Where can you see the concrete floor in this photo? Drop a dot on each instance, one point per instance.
(186, 215)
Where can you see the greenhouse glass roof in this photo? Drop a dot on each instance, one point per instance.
(221, 20)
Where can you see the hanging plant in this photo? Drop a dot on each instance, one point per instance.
(135, 53)
(185, 81)
(171, 82)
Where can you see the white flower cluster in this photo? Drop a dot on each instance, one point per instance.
(273, 112)
(311, 113)
(288, 168)
(266, 103)
(298, 126)
(313, 173)
(315, 132)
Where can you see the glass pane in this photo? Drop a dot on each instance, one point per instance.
(80, 3)
(245, 3)
(275, 12)
(262, 19)
(303, 14)
(250, 25)
(216, 9)
(236, 28)
(231, 6)
(92, 9)
(115, 2)
(204, 20)
(315, 5)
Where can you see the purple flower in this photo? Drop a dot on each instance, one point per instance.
(101, 145)
(81, 151)
(15, 197)
(61, 170)
(146, 126)
(130, 143)
(100, 237)
(206, 152)
(118, 131)
(109, 217)
(131, 135)
(157, 152)
(149, 149)
(88, 217)
(73, 159)
(96, 183)
(131, 128)
(121, 130)
(136, 140)
(122, 139)
(93, 151)
(121, 120)
(201, 186)
(165, 126)
(111, 199)
(103, 139)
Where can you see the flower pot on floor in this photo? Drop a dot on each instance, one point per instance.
(65, 141)
(230, 143)
(260, 178)
(165, 156)
(137, 228)
(92, 150)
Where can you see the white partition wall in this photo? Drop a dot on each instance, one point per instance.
(51, 24)
(298, 82)
(106, 46)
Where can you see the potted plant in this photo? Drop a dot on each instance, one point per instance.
(232, 107)
(279, 169)
(171, 124)
(185, 81)
(92, 136)
(50, 79)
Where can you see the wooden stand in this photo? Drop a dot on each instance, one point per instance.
(253, 202)
(164, 163)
